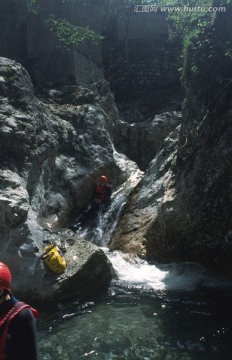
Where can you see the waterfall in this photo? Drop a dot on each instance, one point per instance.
(101, 232)
(139, 273)
(139, 315)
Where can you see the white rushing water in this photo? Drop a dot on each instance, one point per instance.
(132, 270)
(150, 311)
(100, 234)
(185, 276)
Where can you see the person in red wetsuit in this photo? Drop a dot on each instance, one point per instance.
(100, 201)
(17, 323)
(101, 195)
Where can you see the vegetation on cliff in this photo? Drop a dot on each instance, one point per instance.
(67, 34)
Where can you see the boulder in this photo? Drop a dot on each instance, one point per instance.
(88, 269)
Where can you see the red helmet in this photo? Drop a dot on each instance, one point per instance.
(103, 178)
(5, 277)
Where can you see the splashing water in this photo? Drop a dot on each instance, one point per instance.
(182, 277)
(139, 273)
(150, 311)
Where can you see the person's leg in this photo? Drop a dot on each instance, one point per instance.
(89, 213)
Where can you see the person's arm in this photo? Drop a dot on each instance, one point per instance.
(24, 330)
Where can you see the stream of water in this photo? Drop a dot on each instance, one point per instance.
(177, 311)
(149, 311)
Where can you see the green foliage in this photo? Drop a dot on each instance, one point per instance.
(211, 46)
(189, 21)
(67, 34)
(33, 6)
(70, 35)
(188, 18)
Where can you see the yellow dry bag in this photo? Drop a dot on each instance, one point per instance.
(54, 259)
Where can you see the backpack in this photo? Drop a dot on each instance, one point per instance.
(54, 259)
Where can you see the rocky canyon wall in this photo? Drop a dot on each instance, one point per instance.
(181, 210)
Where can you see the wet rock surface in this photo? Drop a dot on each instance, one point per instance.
(145, 201)
(88, 270)
(181, 210)
(51, 154)
(54, 147)
(142, 141)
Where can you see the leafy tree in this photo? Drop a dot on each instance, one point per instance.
(188, 18)
(67, 34)
(70, 35)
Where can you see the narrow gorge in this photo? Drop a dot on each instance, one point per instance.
(147, 111)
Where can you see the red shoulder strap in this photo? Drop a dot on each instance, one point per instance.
(5, 321)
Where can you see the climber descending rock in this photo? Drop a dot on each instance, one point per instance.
(100, 201)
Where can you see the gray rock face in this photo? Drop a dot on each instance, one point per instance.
(142, 141)
(152, 193)
(181, 210)
(50, 157)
